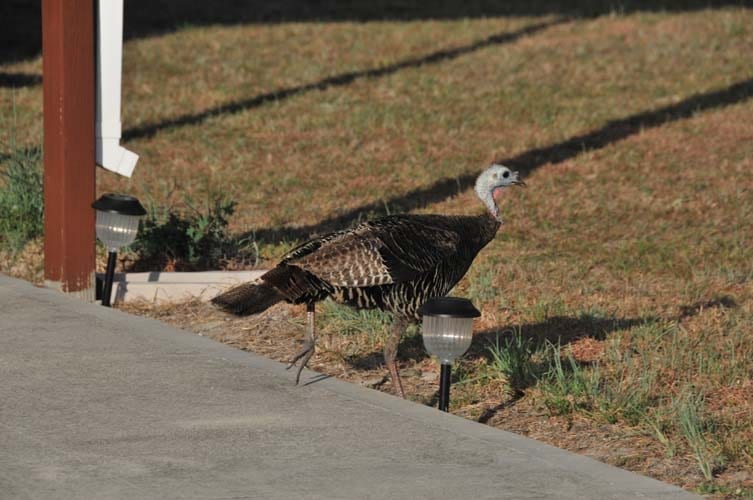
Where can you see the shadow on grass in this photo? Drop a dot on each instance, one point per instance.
(334, 81)
(560, 330)
(563, 330)
(723, 302)
(527, 162)
(18, 80)
(411, 348)
(557, 330)
(24, 152)
(21, 37)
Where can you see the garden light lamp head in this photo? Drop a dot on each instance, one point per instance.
(448, 327)
(118, 217)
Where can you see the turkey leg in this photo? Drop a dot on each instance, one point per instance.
(309, 345)
(399, 325)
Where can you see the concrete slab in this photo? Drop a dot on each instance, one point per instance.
(100, 404)
(167, 287)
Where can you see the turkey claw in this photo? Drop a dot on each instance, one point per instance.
(304, 355)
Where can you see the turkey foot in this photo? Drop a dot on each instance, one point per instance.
(309, 344)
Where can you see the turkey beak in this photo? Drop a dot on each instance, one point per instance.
(518, 181)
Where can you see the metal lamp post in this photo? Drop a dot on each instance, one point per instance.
(447, 334)
(118, 218)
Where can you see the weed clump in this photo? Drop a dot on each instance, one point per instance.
(21, 199)
(196, 239)
(514, 359)
(695, 426)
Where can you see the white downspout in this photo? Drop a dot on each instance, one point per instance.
(110, 154)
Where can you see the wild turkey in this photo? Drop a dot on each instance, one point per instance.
(395, 263)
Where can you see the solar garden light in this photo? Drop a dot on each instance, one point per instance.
(447, 334)
(118, 218)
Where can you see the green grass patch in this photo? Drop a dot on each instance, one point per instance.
(568, 387)
(695, 427)
(21, 198)
(347, 321)
(517, 359)
(191, 240)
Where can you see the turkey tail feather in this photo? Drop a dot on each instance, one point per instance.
(248, 298)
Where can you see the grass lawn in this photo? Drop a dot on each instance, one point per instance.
(617, 299)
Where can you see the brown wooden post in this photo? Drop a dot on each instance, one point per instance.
(68, 39)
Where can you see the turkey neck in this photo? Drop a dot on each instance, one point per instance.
(488, 225)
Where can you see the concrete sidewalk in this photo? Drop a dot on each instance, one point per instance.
(99, 404)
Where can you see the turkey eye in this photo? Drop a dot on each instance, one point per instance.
(506, 175)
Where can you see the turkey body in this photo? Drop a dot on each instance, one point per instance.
(395, 264)
(447, 255)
